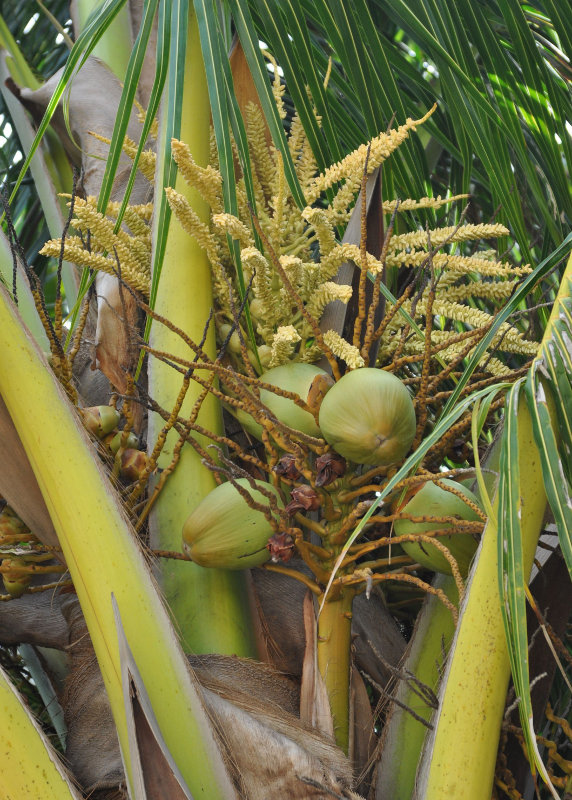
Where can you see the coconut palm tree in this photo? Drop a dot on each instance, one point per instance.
(236, 276)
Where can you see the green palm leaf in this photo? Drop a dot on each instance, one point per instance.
(512, 580)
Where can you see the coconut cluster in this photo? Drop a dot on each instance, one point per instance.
(367, 417)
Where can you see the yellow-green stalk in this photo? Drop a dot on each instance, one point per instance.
(114, 47)
(334, 654)
(563, 292)
(467, 725)
(210, 606)
(105, 561)
(30, 766)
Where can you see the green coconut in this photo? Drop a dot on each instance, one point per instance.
(224, 531)
(17, 580)
(432, 501)
(368, 417)
(100, 420)
(307, 381)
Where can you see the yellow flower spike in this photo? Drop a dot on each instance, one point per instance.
(230, 224)
(497, 291)
(460, 264)
(277, 87)
(254, 262)
(294, 269)
(137, 223)
(346, 252)
(256, 129)
(206, 180)
(302, 154)
(134, 253)
(285, 339)
(508, 338)
(147, 159)
(327, 293)
(277, 203)
(351, 167)
(343, 349)
(389, 206)
(190, 221)
(318, 219)
(453, 233)
(75, 253)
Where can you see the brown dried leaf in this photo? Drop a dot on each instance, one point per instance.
(314, 703)
(116, 316)
(362, 738)
(18, 484)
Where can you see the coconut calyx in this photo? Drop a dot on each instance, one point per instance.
(433, 501)
(308, 381)
(368, 417)
(224, 531)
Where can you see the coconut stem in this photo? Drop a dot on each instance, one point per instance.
(334, 640)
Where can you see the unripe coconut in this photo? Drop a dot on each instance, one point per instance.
(131, 442)
(11, 526)
(233, 343)
(100, 420)
(309, 382)
(432, 501)
(224, 531)
(368, 417)
(17, 580)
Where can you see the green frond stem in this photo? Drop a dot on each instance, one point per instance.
(564, 291)
(334, 659)
(410, 717)
(472, 704)
(210, 606)
(85, 510)
(29, 764)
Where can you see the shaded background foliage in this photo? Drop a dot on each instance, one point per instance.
(45, 52)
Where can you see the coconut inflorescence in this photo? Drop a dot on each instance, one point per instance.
(433, 501)
(368, 417)
(225, 531)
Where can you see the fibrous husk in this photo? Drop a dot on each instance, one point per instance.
(92, 746)
(376, 636)
(34, 619)
(269, 752)
(115, 319)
